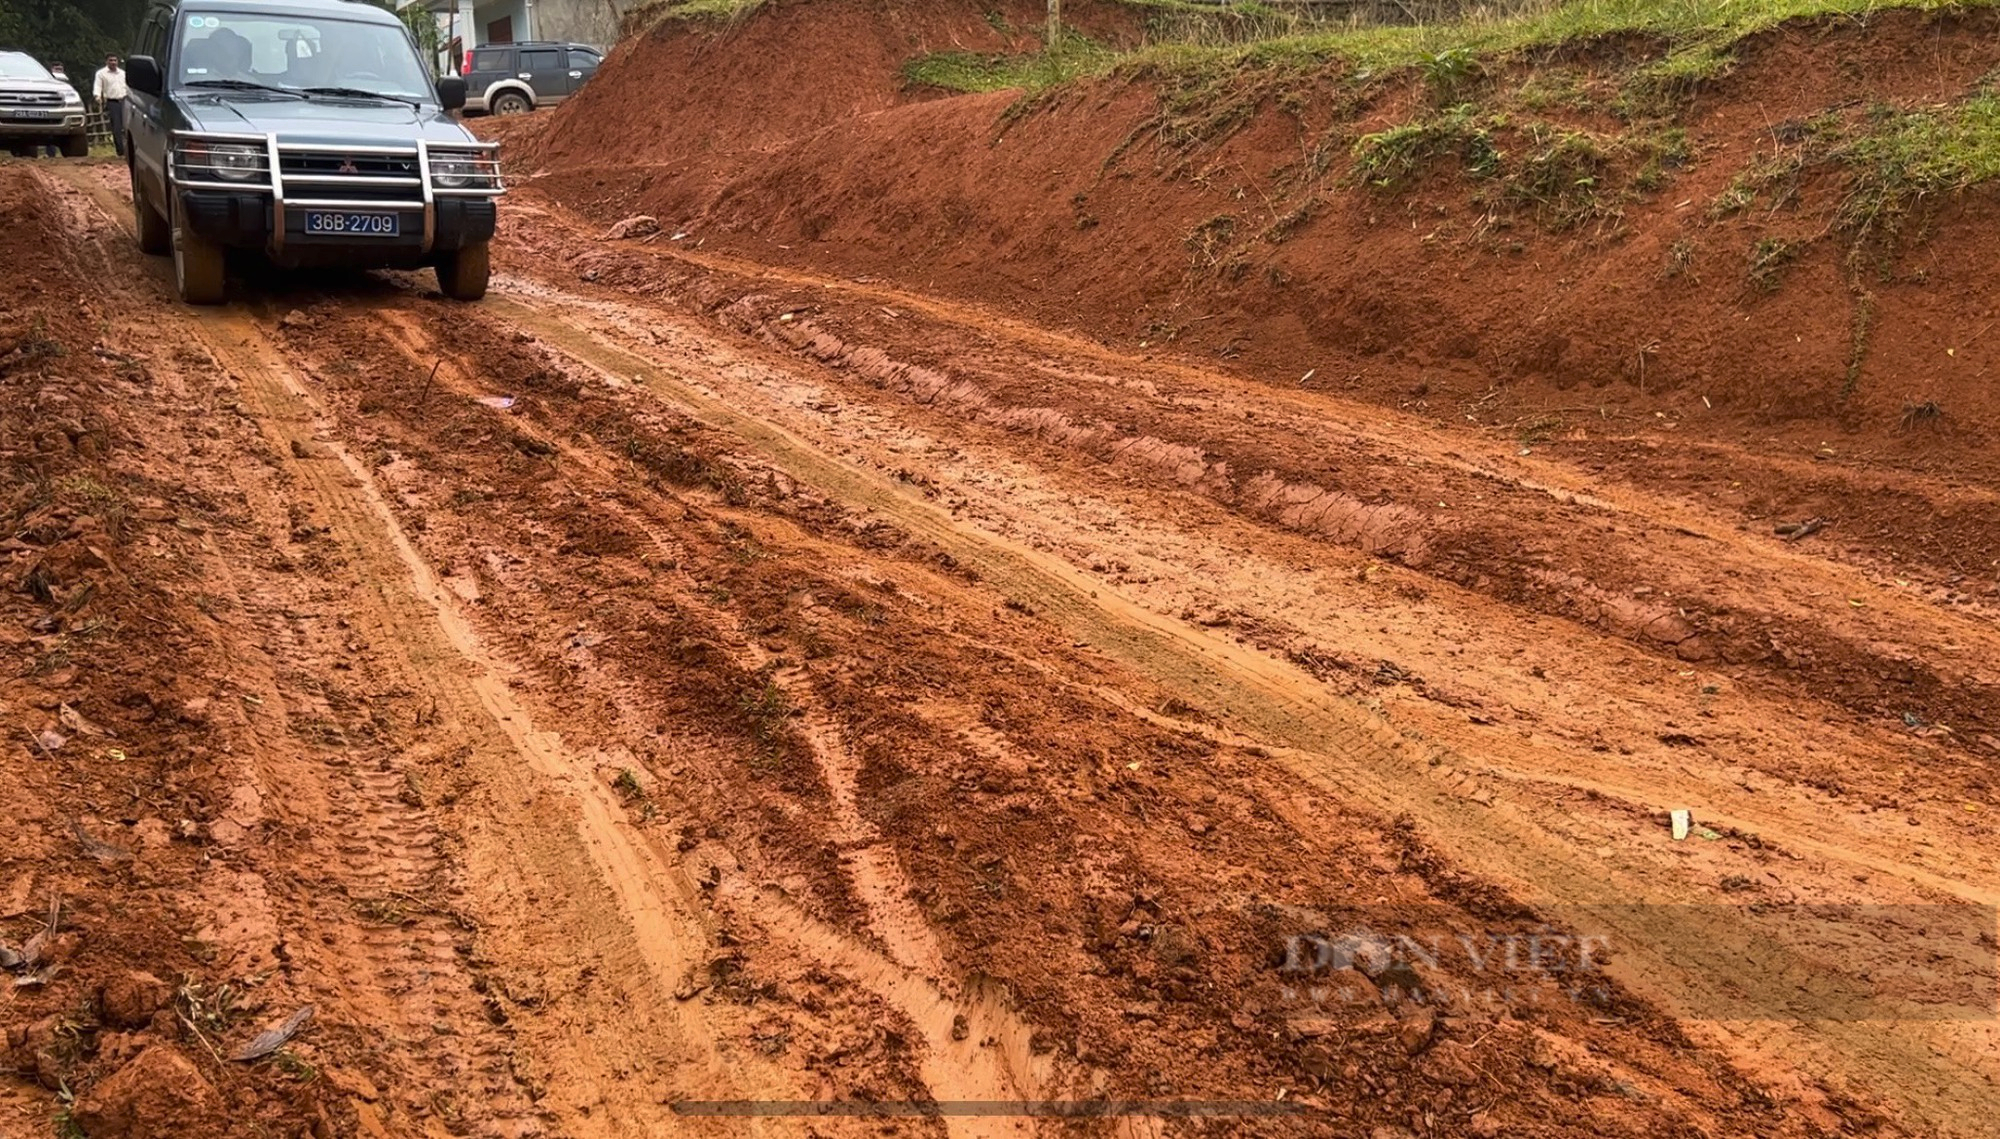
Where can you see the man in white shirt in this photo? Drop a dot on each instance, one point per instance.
(109, 91)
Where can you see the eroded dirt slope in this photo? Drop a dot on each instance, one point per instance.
(1704, 274)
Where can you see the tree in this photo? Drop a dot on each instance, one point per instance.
(423, 25)
(76, 33)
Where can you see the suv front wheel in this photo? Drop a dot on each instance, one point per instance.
(198, 266)
(462, 275)
(511, 103)
(154, 235)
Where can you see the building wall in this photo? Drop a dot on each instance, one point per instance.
(576, 21)
(572, 21)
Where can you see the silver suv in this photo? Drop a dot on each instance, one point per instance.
(37, 109)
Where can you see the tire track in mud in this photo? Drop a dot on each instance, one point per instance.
(1341, 749)
(1896, 629)
(1338, 750)
(1744, 602)
(547, 851)
(388, 949)
(633, 906)
(1802, 826)
(1764, 627)
(976, 1048)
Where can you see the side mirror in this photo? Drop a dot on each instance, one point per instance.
(142, 74)
(451, 92)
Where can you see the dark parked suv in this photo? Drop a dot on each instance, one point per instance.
(310, 131)
(512, 79)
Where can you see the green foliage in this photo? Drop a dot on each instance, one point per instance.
(1899, 157)
(1394, 158)
(974, 72)
(720, 11)
(1561, 175)
(1557, 88)
(423, 26)
(1449, 72)
(1887, 159)
(1564, 175)
(76, 33)
(1706, 28)
(1769, 258)
(1660, 89)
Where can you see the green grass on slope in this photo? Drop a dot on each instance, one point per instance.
(974, 72)
(1697, 33)
(1891, 157)
(653, 11)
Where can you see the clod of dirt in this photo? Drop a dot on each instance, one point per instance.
(640, 225)
(159, 1095)
(131, 999)
(1418, 1030)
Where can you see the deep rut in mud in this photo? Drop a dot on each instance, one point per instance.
(689, 688)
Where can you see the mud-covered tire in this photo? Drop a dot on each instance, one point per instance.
(462, 275)
(511, 103)
(76, 146)
(199, 272)
(156, 237)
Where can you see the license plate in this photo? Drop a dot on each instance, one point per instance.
(24, 113)
(342, 224)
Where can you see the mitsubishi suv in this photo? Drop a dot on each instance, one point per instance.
(309, 131)
(38, 109)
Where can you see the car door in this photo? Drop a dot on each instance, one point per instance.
(145, 115)
(582, 65)
(489, 66)
(542, 68)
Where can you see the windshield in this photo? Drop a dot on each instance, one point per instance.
(16, 66)
(234, 49)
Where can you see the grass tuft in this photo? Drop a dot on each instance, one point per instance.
(974, 73)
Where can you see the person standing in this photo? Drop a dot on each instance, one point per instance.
(109, 91)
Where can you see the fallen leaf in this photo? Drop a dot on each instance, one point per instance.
(272, 1039)
(74, 721)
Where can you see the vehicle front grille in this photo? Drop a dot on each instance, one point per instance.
(330, 175)
(360, 165)
(30, 99)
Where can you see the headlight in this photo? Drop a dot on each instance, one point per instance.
(452, 173)
(461, 171)
(71, 97)
(230, 161)
(236, 163)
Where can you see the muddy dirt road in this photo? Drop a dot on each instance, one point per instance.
(676, 696)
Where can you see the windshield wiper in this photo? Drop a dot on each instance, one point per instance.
(358, 93)
(242, 85)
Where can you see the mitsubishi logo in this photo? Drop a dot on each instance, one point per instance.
(347, 167)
